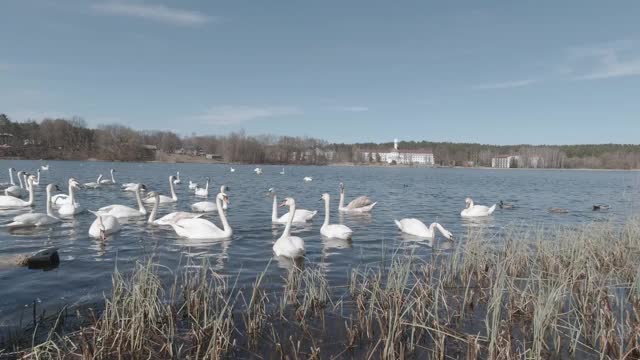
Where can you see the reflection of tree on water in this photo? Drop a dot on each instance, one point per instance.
(207, 249)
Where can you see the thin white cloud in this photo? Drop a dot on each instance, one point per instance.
(356, 108)
(229, 115)
(159, 13)
(505, 85)
(606, 61)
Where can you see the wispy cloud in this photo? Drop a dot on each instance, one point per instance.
(159, 13)
(505, 85)
(605, 61)
(355, 108)
(229, 115)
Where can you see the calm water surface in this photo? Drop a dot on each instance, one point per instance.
(428, 194)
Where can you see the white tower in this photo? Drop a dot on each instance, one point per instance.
(395, 144)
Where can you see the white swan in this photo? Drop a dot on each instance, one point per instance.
(66, 199)
(37, 181)
(131, 187)
(232, 170)
(416, 227)
(103, 226)
(177, 179)
(71, 207)
(358, 205)
(164, 199)
(44, 167)
(94, 185)
(289, 246)
(258, 171)
(198, 228)
(282, 172)
(203, 192)
(335, 231)
(472, 210)
(122, 211)
(111, 181)
(13, 202)
(209, 206)
(192, 185)
(307, 178)
(15, 190)
(300, 216)
(37, 219)
(169, 218)
(11, 182)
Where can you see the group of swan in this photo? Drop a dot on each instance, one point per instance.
(21, 189)
(192, 225)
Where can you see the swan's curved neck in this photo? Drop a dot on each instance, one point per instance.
(113, 179)
(274, 208)
(326, 212)
(38, 177)
(206, 187)
(341, 205)
(11, 177)
(154, 211)
(30, 189)
(287, 229)
(20, 181)
(223, 217)
(141, 207)
(72, 195)
(432, 228)
(49, 210)
(173, 192)
(470, 203)
(178, 175)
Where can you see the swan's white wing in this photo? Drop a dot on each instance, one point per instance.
(413, 226)
(177, 216)
(359, 202)
(304, 215)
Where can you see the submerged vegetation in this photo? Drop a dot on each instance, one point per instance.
(570, 292)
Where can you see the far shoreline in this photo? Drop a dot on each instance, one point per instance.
(214, 162)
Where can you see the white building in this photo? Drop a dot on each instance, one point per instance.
(404, 157)
(505, 161)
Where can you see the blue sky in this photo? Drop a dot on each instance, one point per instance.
(504, 72)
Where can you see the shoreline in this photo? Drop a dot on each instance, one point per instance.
(214, 162)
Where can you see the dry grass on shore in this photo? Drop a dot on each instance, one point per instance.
(567, 293)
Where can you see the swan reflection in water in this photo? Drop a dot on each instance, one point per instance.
(289, 264)
(206, 248)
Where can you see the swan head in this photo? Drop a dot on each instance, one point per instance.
(468, 202)
(75, 183)
(224, 188)
(325, 197)
(271, 192)
(288, 202)
(112, 171)
(171, 178)
(12, 169)
(223, 197)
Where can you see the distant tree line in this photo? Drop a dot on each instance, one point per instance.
(72, 139)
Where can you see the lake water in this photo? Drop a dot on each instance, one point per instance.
(84, 273)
